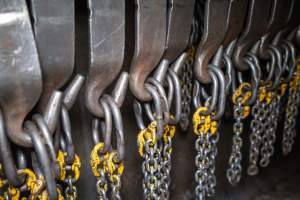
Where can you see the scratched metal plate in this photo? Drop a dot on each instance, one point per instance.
(19, 66)
(54, 28)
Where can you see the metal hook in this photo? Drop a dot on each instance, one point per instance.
(278, 19)
(215, 25)
(107, 43)
(235, 20)
(258, 12)
(150, 34)
(179, 22)
(117, 97)
(292, 21)
(54, 29)
(19, 95)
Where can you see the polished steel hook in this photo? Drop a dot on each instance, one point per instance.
(258, 11)
(215, 25)
(107, 42)
(54, 29)
(150, 35)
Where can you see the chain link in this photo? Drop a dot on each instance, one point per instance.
(206, 147)
(102, 185)
(234, 172)
(255, 136)
(289, 132)
(269, 138)
(115, 187)
(150, 169)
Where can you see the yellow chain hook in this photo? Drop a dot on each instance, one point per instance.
(146, 135)
(113, 167)
(33, 183)
(62, 165)
(203, 124)
(97, 161)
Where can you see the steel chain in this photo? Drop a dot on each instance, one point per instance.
(289, 132)
(255, 136)
(269, 138)
(116, 187)
(234, 172)
(102, 185)
(166, 169)
(206, 148)
(150, 169)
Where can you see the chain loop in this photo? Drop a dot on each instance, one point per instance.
(206, 147)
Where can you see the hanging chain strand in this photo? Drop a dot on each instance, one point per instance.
(212, 181)
(241, 110)
(269, 137)
(102, 185)
(255, 138)
(149, 151)
(165, 179)
(206, 147)
(234, 172)
(289, 132)
(107, 171)
(186, 77)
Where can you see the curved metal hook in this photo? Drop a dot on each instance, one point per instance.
(55, 43)
(278, 19)
(215, 25)
(179, 21)
(258, 12)
(107, 41)
(22, 82)
(150, 34)
(235, 20)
